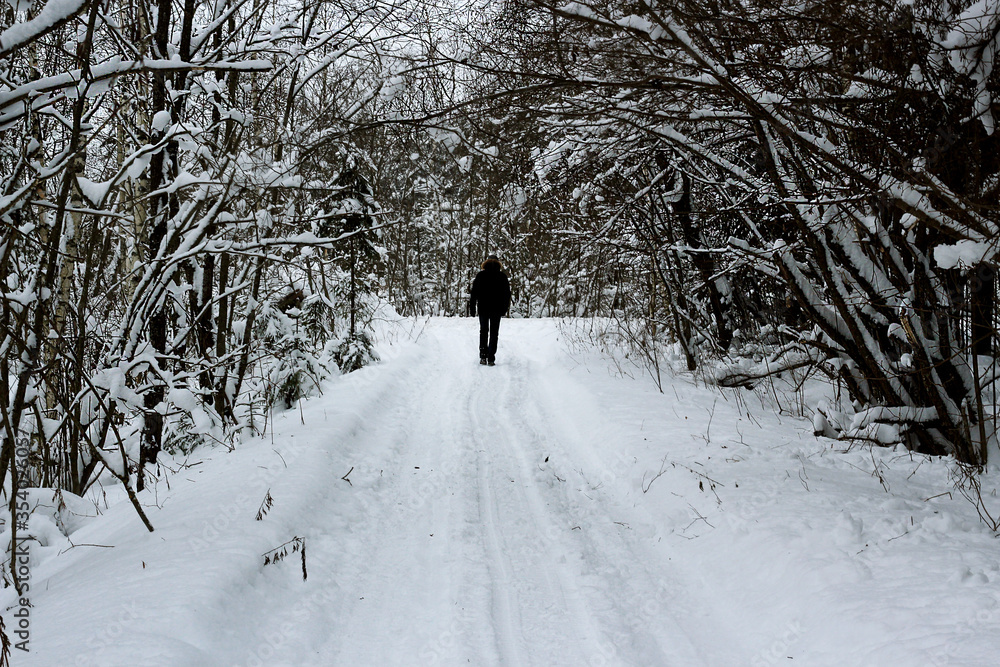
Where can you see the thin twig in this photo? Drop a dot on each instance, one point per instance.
(645, 487)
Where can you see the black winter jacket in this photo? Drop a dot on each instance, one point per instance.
(490, 291)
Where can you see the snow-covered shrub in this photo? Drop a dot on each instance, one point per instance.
(179, 435)
(317, 319)
(293, 340)
(297, 375)
(189, 422)
(353, 352)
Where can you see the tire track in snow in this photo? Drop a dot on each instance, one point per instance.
(623, 595)
(633, 598)
(539, 614)
(506, 619)
(418, 559)
(393, 544)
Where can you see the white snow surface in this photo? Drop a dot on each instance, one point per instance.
(546, 511)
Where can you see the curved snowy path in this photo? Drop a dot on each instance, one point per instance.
(475, 537)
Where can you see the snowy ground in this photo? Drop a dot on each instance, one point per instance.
(517, 515)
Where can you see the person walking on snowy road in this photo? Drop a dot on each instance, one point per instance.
(490, 295)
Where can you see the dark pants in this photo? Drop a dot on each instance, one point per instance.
(489, 328)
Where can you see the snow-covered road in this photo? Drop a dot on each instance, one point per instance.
(473, 546)
(546, 511)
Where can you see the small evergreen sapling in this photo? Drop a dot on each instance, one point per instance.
(354, 352)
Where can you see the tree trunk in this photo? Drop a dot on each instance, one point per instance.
(161, 169)
(982, 288)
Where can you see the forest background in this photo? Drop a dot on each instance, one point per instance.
(204, 204)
